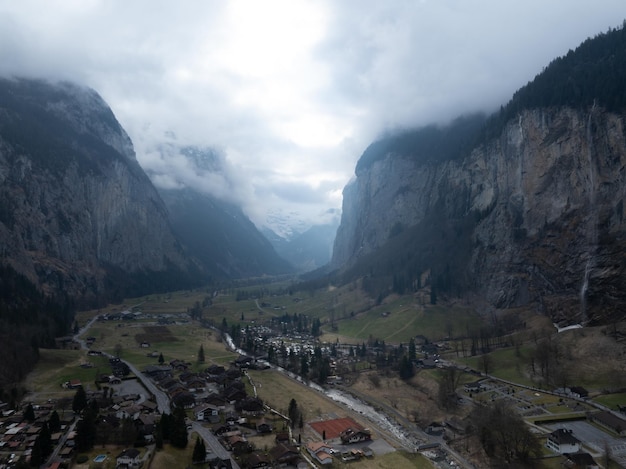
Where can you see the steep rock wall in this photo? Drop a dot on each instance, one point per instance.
(547, 198)
(78, 216)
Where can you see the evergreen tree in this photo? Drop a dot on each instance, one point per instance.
(158, 435)
(36, 459)
(406, 368)
(201, 355)
(29, 413)
(293, 412)
(45, 441)
(178, 432)
(161, 359)
(412, 350)
(54, 422)
(86, 431)
(80, 400)
(199, 451)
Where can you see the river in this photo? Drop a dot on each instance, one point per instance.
(377, 418)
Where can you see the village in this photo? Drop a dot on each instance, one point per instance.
(239, 429)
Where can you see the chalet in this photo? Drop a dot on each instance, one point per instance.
(285, 454)
(219, 463)
(215, 400)
(215, 370)
(238, 444)
(579, 461)
(250, 405)
(354, 435)
(262, 426)
(282, 437)
(129, 458)
(258, 460)
(320, 451)
(184, 399)
(243, 361)
(207, 413)
(563, 441)
(611, 421)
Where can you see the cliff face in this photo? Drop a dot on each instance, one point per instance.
(77, 213)
(543, 207)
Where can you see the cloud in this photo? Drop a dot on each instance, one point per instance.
(288, 92)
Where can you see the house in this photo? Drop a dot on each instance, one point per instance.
(474, 387)
(354, 435)
(263, 426)
(563, 441)
(320, 451)
(282, 437)
(285, 454)
(611, 421)
(208, 413)
(579, 461)
(258, 460)
(129, 458)
(238, 444)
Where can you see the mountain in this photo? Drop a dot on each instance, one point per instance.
(524, 209)
(308, 250)
(221, 236)
(79, 218)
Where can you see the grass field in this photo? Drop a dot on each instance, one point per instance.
(405, 320)
(611, 400)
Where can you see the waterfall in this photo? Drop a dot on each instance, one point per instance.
(592, 223)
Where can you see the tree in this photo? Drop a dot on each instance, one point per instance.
(503, 433)
(29, 413)
(80, 400)
(54, 422)
(86, 430)
(406, 368)
(293, 413)
(447, 396)
(161, 359)
(201, 354)
(178, 431)
(158, 435)
(199, 452)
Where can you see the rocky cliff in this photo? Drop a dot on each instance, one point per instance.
(538, 213)
(77, 213)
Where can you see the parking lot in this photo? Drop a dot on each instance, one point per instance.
(595, 439)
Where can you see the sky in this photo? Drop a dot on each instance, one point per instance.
(288, 93)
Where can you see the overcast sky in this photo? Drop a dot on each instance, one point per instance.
(289, 91)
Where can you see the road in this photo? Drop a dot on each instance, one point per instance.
(212, 443)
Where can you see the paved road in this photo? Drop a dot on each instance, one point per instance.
(212, 443)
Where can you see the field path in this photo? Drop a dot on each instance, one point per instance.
(363, 328)
(402, 328)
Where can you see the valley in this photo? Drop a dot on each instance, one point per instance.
(363, 345)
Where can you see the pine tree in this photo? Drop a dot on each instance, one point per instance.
(201, 355)
(161, 359)
(178, 433)
(54, 422)
(199, 451)
(29, 413)
(80, 400)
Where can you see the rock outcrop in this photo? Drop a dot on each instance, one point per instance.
(543, 206)
(78, 216)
